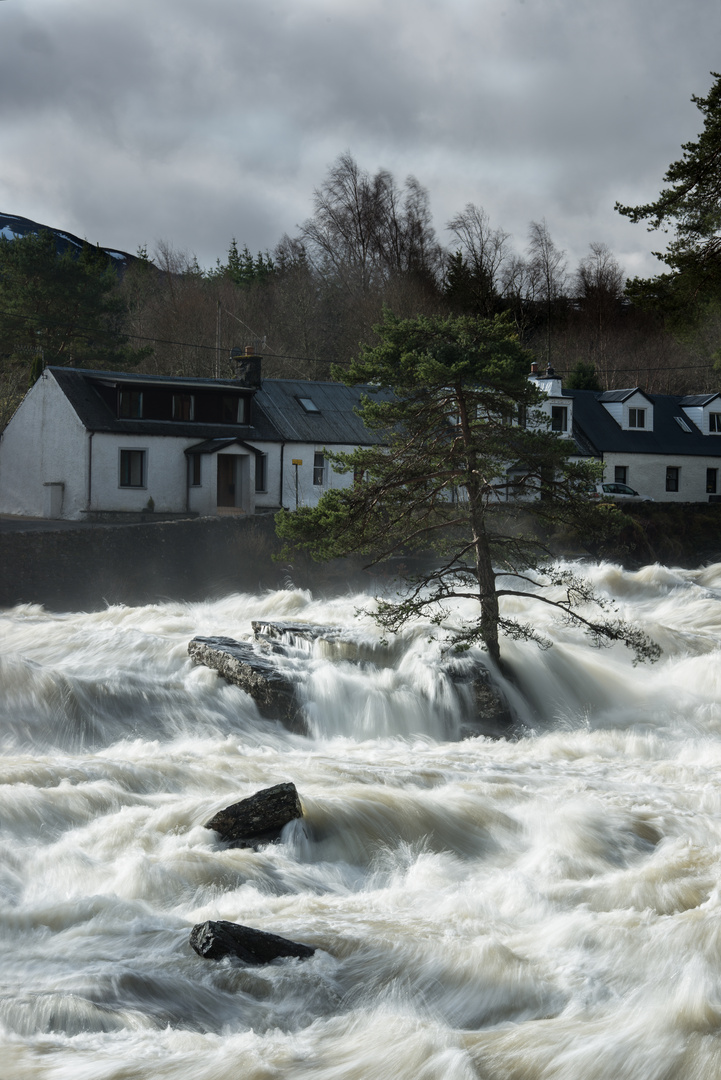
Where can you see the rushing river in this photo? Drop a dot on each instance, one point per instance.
(547, 908)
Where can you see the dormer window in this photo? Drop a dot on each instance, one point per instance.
(232, 409)
(130, 404)
(183, 406)
(714, 423)
(637, 418)
(559, 418)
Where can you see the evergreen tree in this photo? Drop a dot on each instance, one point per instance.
(455, 391)
(582, 376)
(690, 206)
(59, 308)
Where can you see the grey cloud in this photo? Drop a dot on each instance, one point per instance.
(199, 122)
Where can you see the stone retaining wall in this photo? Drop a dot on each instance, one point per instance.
(90, 567)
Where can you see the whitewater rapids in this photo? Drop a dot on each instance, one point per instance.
(546, 908)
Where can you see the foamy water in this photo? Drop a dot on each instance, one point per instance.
(542, 909)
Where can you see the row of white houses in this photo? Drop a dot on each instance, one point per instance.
(665, 446)
(87, 445)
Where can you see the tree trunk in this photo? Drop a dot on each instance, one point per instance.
(486, 584)
(484, 565)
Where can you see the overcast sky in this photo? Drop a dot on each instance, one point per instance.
(133, 121)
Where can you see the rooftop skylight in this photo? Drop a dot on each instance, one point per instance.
(308, 404)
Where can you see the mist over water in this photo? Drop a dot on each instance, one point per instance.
(546, 908)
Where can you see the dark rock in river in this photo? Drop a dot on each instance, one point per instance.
(488, 711)
(240, 664)
(214, 940)
(258, 819)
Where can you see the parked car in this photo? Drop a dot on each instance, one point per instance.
(616, 492)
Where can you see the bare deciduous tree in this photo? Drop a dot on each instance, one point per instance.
(365, 228)
(485, 250)
(548, 264)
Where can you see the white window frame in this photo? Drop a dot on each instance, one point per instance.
(634, 414)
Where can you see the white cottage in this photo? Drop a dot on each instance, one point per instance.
(105, 445)
(666, 446)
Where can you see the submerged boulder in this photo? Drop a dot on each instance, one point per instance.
(487, 710)
(214, 940)
(258, 819)
(240, 664)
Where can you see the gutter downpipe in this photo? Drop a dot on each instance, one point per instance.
(280, 494)
(90, 469)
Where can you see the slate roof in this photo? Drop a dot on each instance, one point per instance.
(214, 446)
(595, 430)
(79, 386)
(335, 422)
(691, 400)
(276, 412)
(278, 416)
(614, 395)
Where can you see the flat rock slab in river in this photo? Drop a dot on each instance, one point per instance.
(258, 819)
(240, 664)
(304, 631)
(214, 940)
(340, 643)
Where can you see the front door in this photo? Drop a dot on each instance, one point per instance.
(228, 486)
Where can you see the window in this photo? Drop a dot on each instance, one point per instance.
(711, 481)
(261, 472)
(714, 423)
(232, 409)
(672, 478)
(637, 418)
(132, 468)
(682, 423)
(522, 415)
(183, 407)
(559, 418)
(620, 475)
(318, 468)
(308, 404)
(130, 404)
(194, 469)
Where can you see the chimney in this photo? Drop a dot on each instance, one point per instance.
(534, 368)
(249, 366)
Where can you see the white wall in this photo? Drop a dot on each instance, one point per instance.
(166, 476)
(44, 443)
(700, 416)
(647, 474)
(309, 493)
